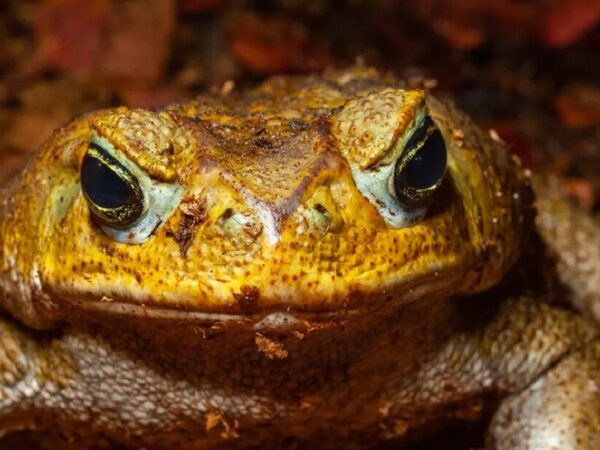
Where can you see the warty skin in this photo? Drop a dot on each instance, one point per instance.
(280, 301)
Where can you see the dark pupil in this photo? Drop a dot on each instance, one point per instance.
(427, 166)
(102, 185)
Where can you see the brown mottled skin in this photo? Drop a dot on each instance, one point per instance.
(275, 306)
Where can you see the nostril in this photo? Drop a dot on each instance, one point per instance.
(226, 214)
(230, 221)
(322, 210)
(321, 218)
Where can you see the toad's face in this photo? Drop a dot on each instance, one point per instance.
(314, 196)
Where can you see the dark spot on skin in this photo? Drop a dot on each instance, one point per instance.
(192, 215)
(247, 298)
(323, 127)
(261, 140)
(227, 214)
(298, 125)
(169, 150)
(321, 209)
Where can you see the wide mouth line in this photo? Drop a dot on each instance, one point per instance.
(264, 320)
(278, 318)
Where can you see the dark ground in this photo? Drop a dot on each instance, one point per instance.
(529, 70)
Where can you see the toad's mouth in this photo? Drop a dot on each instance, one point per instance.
(279, 318)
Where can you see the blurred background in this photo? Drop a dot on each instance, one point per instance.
(528, 69)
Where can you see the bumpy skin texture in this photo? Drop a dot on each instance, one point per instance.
(275, 306)
(572, 239)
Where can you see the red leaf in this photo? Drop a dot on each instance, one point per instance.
(107, 39)
(139, 41)
(70, 33)
(516, 141)
(274, 44)
(578, 105)
(150, 98)
(568, 20)
(198, 6)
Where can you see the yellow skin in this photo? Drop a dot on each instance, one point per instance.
(274, 298)
(469, 243)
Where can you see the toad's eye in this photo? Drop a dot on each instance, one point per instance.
(421, 167)
(114, 195)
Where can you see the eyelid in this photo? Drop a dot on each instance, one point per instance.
(145, 138)
(370, 129)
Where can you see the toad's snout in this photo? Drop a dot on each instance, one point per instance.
(253, 191)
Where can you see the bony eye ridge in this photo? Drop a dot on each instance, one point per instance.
(420, 169)
(113, 193)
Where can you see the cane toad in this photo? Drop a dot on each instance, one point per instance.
(337, 260)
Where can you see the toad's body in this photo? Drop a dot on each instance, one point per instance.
(279, 268)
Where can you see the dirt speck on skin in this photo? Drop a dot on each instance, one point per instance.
(248, 298)
(216, 422)
(270, 347)
(192, 215)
